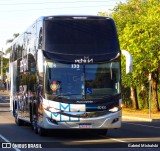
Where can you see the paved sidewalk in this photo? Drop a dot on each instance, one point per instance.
(4, 101)
(140, 116)
(4, 93)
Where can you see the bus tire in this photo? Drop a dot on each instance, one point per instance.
(14, 108)
(34, 126)
(31, 114)
(14, 112)
(41, 131)
(18, 121)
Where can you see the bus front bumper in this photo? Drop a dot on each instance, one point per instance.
(58, 121)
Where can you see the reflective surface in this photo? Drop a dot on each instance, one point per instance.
(78, 81)
(81, 36)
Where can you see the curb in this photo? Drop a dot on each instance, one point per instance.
(139, 119)
(4, 94)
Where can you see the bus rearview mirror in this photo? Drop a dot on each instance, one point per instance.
(129, 61)
(40, 61)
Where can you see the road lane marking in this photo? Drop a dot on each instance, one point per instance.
(100, 140)
(7, 141)
(118, 140)
(142, 125)
(114, 139)
(142, 139)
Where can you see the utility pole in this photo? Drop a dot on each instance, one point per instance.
(150, 94)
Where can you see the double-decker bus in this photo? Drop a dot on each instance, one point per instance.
(66, 74)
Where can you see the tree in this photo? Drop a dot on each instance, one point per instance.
(5, 60)
(15, 35)
(138, 26)
(124, 15)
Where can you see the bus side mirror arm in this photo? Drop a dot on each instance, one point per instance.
(129, 61)
(40, 61)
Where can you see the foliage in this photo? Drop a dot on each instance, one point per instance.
(15, 35)
(5, 65)
(5, 60)
(139, 32)
(138, 25)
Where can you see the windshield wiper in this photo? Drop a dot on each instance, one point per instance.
(107, 96)
(68, 94)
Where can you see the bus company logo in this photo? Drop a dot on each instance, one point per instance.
(84, 60)
(64, 118)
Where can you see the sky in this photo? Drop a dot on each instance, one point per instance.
(17, 15)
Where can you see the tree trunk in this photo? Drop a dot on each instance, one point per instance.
(134, 98)
(155, 96)
(143, 96)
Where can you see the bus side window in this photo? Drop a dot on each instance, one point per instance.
(40, 39)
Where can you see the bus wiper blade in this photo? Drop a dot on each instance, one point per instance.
(68, 94)
(107, 96)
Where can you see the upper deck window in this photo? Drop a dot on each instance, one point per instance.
(81, 36)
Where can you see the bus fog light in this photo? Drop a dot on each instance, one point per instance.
(115, 120)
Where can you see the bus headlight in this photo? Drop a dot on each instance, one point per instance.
(114, 109)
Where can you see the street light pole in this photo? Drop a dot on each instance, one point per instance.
(150, 95)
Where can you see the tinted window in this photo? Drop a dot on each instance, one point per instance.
(81, 36)
(79, 81)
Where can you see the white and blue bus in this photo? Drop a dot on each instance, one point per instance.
(66, 74)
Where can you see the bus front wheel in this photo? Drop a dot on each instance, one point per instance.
(34, 126)
(18, 121)
(41, 131)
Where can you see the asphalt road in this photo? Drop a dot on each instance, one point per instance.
(131, 136)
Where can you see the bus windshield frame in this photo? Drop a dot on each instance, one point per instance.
(82, 81)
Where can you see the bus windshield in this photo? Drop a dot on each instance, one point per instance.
(82, 81)
(76, 36)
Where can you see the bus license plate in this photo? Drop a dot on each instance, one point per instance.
(85, 125)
